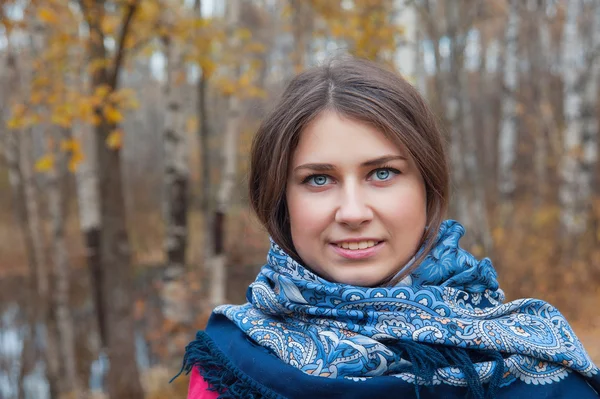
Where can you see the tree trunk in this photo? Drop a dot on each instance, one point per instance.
(575, 190)
(477, 198)
(301, 30)
(176, 304)
(203, 133)
(60, 292)
(454, 117)
(541, 49)
(88, 201)
(507, 143)
(590, 136)
(44, 320)
(469, 203)
(438, 97)
(176, 169)
(39, 261)
(228, 176)
(115, 254)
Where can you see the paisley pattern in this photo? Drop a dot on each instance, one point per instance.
(342, 331)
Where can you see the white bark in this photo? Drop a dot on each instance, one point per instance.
(87, 181)
(61, 287)
(407, 54)
(176, 165)
(229, 173)
(175, 303)
(575, 189)
(508, 123)
(542, 60)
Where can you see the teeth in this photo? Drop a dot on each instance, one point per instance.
(357, 245)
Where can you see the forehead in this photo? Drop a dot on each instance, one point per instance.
(331, 136)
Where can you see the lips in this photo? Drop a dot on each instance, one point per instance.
(358, 253)
(363, 244)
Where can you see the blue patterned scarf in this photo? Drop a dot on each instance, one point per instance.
(452, 301)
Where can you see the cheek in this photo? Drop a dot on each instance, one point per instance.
(408, 207)
(308, 215)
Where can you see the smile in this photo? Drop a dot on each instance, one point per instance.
(363, 249)
(357, 245)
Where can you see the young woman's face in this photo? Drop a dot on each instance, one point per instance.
(356, 201)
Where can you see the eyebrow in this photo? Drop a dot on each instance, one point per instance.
(325, 167)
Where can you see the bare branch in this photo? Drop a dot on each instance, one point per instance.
(114, 76)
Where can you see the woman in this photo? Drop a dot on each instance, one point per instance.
(366, 292)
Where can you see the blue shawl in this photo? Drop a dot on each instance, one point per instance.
(444, 325)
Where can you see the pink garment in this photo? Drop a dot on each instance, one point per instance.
(199, 387)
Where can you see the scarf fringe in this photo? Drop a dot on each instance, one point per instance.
(219, 372)
(223, 376)
(426, 359)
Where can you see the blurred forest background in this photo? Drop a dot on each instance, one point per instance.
(125, 127)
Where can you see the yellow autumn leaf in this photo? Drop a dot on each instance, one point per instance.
(112, 114)
(208, 67)
(61, 119)
(148, 10)
(115, 139)
(15, 123)
(109, 24)
(47, 15)
(85, 108)
(95, 120)
(103, 90)
(69, 145)
(45, 163)
(75, 160)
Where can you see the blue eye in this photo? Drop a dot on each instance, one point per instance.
(385, 174)
(317, 180)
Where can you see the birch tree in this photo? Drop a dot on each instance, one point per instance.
(579, 139)
(507, 142)
(229, 169)
(52, 67)
(175, 151)
(302, 22)
(174, 292)
(35, 224)
(590, 135)
(542, 58)
(203, 46)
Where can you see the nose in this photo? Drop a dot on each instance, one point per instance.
(353, 210)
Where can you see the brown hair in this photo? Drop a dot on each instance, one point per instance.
(363, 91)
